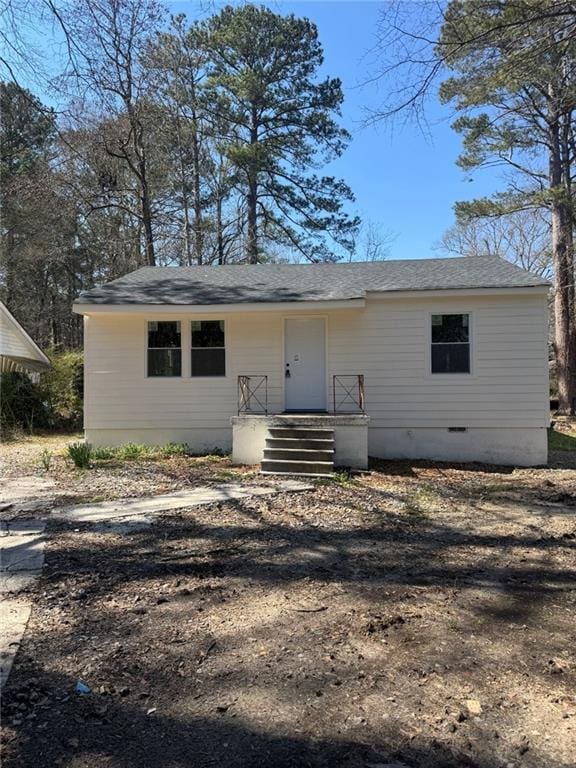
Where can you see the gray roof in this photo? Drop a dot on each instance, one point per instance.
(238, 283)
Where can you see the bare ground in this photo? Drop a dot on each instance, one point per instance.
(422, 614)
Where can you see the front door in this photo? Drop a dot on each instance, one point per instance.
(305, 364)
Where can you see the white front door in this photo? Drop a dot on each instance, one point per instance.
(305, 364)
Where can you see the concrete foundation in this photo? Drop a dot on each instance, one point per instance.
(354, 440)
(520, 446)
(249, 435)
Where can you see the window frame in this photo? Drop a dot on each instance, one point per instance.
(147, 348)
(453, 376)
(208, 377)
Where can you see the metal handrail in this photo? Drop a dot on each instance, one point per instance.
(348, 389)
(252, 394)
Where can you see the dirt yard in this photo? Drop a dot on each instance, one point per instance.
(421, 615)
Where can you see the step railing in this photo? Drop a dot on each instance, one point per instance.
(252, 395)
(348, 393)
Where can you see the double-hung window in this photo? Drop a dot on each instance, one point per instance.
(208, 348)
(164, 348)
(450, 343)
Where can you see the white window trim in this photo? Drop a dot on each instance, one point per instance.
(181, 348)
(471, 325)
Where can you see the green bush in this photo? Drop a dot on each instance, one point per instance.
(23, 406)
(63, 387)
(81, 454)
(54, 401)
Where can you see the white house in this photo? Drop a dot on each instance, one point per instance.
(309, 365)
(18, 352)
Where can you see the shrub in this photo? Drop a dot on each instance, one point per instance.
(23, 404)
(81, 454)
(63, 389)
(52, 400)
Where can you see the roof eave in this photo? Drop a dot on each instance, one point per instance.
(82, 308)
(542, 289)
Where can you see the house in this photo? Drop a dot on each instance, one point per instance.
(18, 352)
(303, 366)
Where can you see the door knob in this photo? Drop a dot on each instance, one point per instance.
(287, 371)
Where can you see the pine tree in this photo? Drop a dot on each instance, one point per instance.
(517, 96)
(279, 121)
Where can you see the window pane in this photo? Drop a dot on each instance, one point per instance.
(164, 362)
(450, 328)
(208, 362)
(208, 333)
(450, 358)
(164, 333)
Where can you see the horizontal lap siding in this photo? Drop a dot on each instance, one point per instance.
(119, 395)
(389, 343)
(11, 343)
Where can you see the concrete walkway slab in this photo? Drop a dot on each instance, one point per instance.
(26, 488)
(28, 494)
(14, 615)
(21, 561)
(21, 554)
(133, 509)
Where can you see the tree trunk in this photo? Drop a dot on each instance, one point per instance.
(564, 336)
(185, 203)
(198, 223)
(252, 197)
(563, 255)
(147, 218)
(219, 231)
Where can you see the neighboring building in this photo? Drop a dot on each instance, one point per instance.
(440, 358)
(18, 352)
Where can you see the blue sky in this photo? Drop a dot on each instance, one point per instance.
(404, 181)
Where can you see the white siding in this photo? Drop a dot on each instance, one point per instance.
(388, 342)
(13, 343)
(17, 347)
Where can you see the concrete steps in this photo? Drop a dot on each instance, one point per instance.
(293, 450)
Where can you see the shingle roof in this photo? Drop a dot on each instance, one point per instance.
(238, 283)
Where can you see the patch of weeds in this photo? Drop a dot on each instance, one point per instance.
(453, 625)
(46, 459)
(340, 477)
(232, 474)
(217, 453)
(418, 502)
(81, 454)
(103, 453)
(133, 451)
(343, 477)
(174, 449)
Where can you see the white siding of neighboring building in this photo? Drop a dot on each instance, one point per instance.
(12, 343)
(503, 403)
(17, 350)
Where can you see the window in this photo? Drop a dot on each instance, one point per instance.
(208, 352)
(450, 343)
(164, 348)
